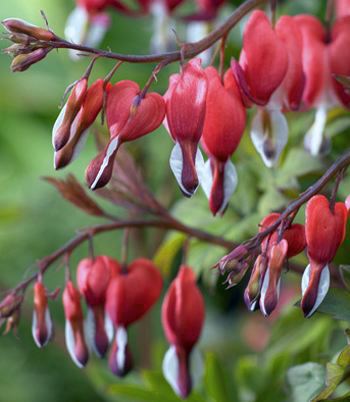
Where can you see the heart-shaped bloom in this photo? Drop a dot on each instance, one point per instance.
(77, 129)
(74, 329)
(185, 114)
(130, 295)
(270, 75)
(325, 231)
(342, 8)
(223, 128)
(183, 313)
(128, 117)
(93, 277)
(324, 56)
(42, 327)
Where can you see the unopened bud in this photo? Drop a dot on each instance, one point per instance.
(252, 290)
(23, 61)
(230, 261)
(10, 304)
(235, 276)
(20, 38)
(18, 26)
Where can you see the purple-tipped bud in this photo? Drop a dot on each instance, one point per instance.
(120, 358)
(236, 275)
(252, 290)
(229, 261)
(18, 26)
(23, 61)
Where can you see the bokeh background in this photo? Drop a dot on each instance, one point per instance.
(247, 357)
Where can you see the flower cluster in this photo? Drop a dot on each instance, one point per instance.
(117, 296)
(322, 235)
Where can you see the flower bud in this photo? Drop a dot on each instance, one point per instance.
(74, 329)
(185, 113)
(18, 26)
(130, 296)
(42, 328)
(23, 61)
(252, 290)
(183, 313)
(229, 261)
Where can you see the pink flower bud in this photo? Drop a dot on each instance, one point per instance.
(229, 261)
(93, 277)
(18, 26)
(222, 133)
(128, 117)
(325, 232)
(42, 328)
(74, 331)
(185, 113)
(252, 291)
(183, 313)
(62, 128)
(342, 8)
(130, 296)
(23, 61)
(271, 283)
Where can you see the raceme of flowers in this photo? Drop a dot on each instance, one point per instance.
(322, 235)
(289, 66)
(116, 297)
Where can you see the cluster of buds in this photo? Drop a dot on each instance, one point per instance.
(116, 296)
(321, 236)
(30, 43)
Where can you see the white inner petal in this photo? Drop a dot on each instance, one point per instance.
(90, 331)
(263, 291)
(95, 34)
(322, 287)
(278, 135)
(206, 178)
(58, 123)
(49, 325)
(230, 183)
(121, 338)
(314, 137)
(70, 343)
(76, 25)
(196, 366)
(171, 368)
(109, 328)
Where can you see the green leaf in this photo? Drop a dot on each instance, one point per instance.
(215, 380)
(305, 380)
(334, 376)
(137, 393)
(167, 252)
(272, 200)
(336, 304)
(344, 357)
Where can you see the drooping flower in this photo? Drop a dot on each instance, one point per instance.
(74, 328)
(325, 227)
(76, 127)
(324, 56)
(270, 75)
(185, 114)
(42, 327)
(93, 277)
(129, 116)
(130, 295)
(183, 313)
(223, 128)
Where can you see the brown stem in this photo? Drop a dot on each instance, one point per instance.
(189, 51)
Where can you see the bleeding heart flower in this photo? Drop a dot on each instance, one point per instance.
(130, 295)
(74, 330)
(93, 277)
(185, 114)
(78, 128)
(128, 117)
(42, 327)
(270, 75)
(325, 231)
(183, 313)
(342, 8)
(223, 128)
(324, 56)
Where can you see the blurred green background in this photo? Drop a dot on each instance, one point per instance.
(246, 357)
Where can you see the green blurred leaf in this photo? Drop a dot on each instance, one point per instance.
(336, 304)
(305, 380)
(167, 252)
(333, 377)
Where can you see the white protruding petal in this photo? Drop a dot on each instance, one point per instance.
(95, 34)
(80, 145)
(58, 123)
(121, 338)
(90, 331)
(252, 306)
(196, 366)
(70, 343)
(113, 145)
(162, 27)
(230, 183)
(197, 30)
(278, 134)
(322, 287)
(206, 178)
(49, 325)
(171, 368)
(49, 328)
(314, 137)
(76, 28)
(109, 328)
(263, 290)
(176, 165)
